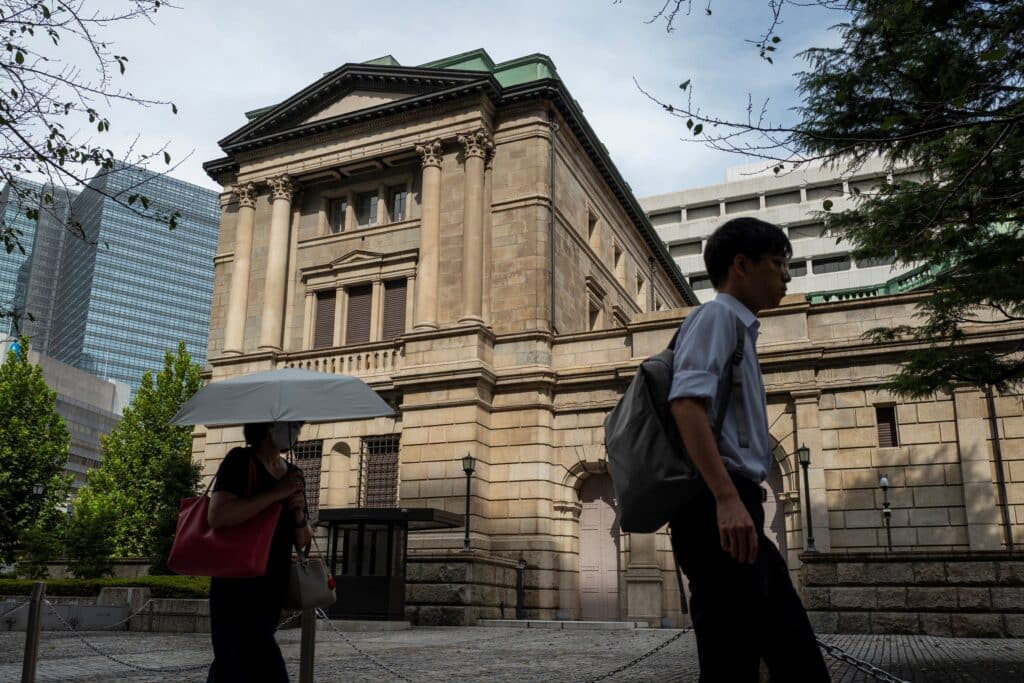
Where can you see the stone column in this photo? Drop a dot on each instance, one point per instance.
(430, 236)
(478, 145)
(238, 294)
(376, 310)
(808, 433)
(984, 528)
(643, 580)
(487, 246)
(281, 189)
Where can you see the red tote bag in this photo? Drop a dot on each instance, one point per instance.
(235, 551)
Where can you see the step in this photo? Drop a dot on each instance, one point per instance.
(563, 625)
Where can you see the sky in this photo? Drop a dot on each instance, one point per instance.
(217, 60)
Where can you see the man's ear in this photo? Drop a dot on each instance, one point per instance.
(742, 263)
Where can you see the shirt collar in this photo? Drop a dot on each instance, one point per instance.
(745, 315)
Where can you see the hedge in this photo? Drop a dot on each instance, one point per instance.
(159, 586)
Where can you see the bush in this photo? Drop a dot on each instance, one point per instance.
(159, 586)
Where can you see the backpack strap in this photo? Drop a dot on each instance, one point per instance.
(733, 388)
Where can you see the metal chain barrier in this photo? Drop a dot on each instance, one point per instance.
(322, 615)
(14, 609)
(637, 660)
(118, 660)
(867, 667)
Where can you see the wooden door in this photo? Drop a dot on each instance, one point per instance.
(599, 550)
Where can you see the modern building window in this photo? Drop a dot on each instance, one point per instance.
(357, 323)
(378, 470)
(799, 232)
(797, 268)
(875, 261)
(824, 192)
(782, 198)
(366, 209)
(323, 333)
(308, 456)
(662, 219)
(394, 309)
(705, 211)
(336, 211)
(398, 198)
(888, 430)
(684, 249)
(700, 282)
(833, 264)
(741, 205)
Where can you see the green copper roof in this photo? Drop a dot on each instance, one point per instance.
(386, 60)
(517, 71)
(918, 278)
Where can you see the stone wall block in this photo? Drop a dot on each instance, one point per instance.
(931, 598)
(1008, 598)
(852, 572)
(854, 622)
(891, 598)
(1014, 625)
(895, 622)
(853, 598)
(819, 575)
(936, 624)
(929, 572)
(1010, 572)
(974, 598)
(824, 622)
(817, 598)
(891, 573)
(971, 572)
(977, 625)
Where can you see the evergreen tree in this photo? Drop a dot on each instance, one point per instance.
(33, 451)
(147, 465)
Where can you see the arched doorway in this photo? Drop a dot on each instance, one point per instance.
(775, 509)
(599, 550)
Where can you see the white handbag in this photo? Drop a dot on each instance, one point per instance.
(310, 586)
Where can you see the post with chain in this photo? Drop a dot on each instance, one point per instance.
(307, 648)
(35, 625)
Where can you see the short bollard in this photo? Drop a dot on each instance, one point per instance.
(35, 625)
(307, 646)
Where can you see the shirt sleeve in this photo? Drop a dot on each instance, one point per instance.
(706, 342)
(233, 473)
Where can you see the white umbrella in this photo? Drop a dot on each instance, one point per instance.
(288, 395)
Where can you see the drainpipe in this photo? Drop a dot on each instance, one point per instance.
(521, 589)
(551, 220)
(997, 452)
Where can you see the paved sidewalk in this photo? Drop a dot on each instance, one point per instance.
(426, 655)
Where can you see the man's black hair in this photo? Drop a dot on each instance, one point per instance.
(749, 236)
(255, 432)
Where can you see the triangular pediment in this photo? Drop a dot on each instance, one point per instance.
(353, 93)
(356, 257)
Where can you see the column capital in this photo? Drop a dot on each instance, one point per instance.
(478, 143)
(282, 187)
(246, 194)
(489, 158)
(430, 152)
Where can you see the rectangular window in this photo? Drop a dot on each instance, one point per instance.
(797, 268)
(874, 261)
(398, 199)
(394, 309)
(706, 211)
(684, 249)
(323, 320)
(888, 432)
(366, 209)
(824, 192)
(338, 209)
(308, 456)
(834, 264)
(357, 324)
(700, 282)
(379, 475)
(740, 205)
(799, 232)
(661, 219)
(782, 198)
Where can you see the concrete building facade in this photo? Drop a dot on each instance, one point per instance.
(455, 235)
(793, 200)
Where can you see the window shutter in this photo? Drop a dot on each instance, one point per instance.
(323, 335)
(358, 323)
(394, 309)
(888, 436)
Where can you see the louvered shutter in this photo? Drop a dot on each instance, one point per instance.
(885, 416)
(394, 309)
(358, 323)
(323, 336)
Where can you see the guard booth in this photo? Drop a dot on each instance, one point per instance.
(366, 551)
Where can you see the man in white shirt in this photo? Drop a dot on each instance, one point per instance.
(742, 602)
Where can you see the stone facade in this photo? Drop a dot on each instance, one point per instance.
(534, 285)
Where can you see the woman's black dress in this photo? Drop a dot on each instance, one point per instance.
(244, 613)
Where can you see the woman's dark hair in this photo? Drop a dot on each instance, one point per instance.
(255, 432)
(751, 237)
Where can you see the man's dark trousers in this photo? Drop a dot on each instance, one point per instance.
(742, 612)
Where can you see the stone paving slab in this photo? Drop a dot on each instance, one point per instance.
(490, 654)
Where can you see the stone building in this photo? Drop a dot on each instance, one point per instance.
(456, 235)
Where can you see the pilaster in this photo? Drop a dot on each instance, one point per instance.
(430, 236)
(238, 293)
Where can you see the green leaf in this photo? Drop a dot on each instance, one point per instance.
(174, 108)
(827, 205)
(698, 128)
(685, 84)
(167, 158)
(776, 39)
(19, 57)
(993, 54)
(689, 123)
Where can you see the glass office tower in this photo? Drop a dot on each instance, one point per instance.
(132, 288)
(13, 206)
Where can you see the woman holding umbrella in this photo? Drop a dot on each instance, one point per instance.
(244, 611)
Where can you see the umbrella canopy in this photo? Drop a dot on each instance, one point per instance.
(288, 395)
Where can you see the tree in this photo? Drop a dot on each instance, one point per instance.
(33, 450)
(147, 465)
(41, 543)
(90, 544)
(52, 97)
(935, 88)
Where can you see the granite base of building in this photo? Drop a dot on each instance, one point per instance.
(979, 594)
(458, 588)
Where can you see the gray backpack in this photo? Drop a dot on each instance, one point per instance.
(648, 464)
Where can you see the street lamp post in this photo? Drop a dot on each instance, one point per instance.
(803, 454)
(883, 481)
(468, 465)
